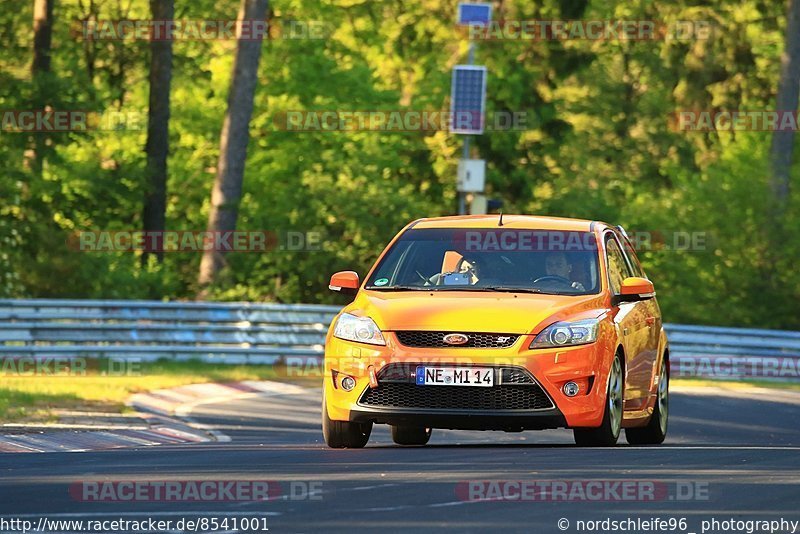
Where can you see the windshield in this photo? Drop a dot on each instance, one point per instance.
(457, 259)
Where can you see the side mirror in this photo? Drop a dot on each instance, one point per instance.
(345, 282)
(635, 289)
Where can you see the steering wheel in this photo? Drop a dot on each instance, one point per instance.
(553, 278)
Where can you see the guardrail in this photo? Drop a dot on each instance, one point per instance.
(150, 330)
(267, 333)
(722, 352)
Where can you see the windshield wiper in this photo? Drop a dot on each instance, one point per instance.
(399, 288)
(509, 289)
(505, 289)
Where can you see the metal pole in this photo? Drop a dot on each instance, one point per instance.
(462, 205)
(462, 208)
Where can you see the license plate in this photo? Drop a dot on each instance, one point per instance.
(455, 376)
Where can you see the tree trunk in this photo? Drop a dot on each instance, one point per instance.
(42, 35)
(786, 102)
(157, 147)
(234, 138)
(42, 47)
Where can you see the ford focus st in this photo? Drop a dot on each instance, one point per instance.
(493, 322)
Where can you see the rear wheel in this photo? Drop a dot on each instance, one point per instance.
(656, 430)
(410, 435)
(344, 434)
(607, 434)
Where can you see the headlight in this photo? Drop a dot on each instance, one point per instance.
(359, 329)
(564, 334)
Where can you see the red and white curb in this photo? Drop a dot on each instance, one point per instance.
(162, 418)
(69, 438)
(181, 401)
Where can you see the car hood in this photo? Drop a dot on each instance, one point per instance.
(508, 313)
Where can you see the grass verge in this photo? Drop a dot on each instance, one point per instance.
(33, 398)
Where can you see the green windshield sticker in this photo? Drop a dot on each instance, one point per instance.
(381, 281)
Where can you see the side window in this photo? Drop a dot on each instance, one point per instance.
(618, 269)
(635, 265)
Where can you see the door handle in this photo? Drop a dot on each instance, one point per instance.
(650, 321)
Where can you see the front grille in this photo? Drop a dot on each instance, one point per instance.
(435, 339)
(516, 376)
(508, 397)
(517, 390)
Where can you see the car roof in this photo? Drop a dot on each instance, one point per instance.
(525, 222)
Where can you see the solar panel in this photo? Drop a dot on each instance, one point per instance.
(472, 14)
(468, 99)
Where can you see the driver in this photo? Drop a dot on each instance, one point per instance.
(556, 264)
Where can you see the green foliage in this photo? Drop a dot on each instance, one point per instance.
(598, 144)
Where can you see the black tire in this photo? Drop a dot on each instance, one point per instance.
(344, 434)
(607, 434)
(410, 435)
(656, 430)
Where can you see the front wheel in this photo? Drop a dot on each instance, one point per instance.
(656, 430)
(344, 434)
(410, 435)
(607, 434)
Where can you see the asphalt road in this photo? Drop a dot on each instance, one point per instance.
(725, 458)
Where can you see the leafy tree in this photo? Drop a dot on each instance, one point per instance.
(227, 190)
(598, 143)
(787, 100)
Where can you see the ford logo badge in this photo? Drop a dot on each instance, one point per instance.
(455, 339)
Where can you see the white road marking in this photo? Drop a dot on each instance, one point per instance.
(362, 488)
(451, 503)
(385, 508)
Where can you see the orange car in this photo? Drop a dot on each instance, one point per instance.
(490, 322)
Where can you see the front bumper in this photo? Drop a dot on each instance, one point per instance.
(508, 420)
(550, 369)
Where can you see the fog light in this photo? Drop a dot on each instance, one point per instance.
(571, 389)
(348, 383)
